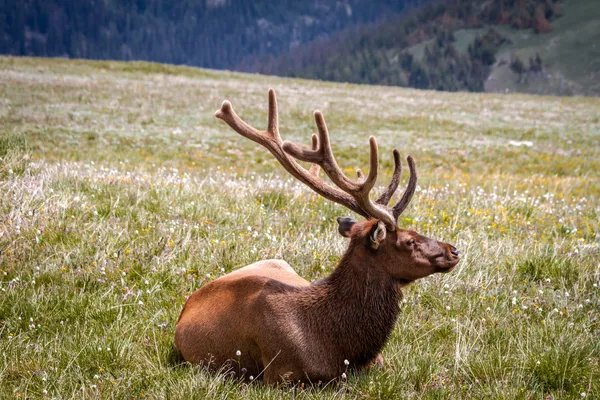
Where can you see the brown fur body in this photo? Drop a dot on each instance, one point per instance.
(289, 329)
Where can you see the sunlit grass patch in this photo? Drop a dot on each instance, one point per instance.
(10, 142)
(559, 358)
(550, 267)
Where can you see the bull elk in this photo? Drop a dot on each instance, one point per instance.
(268, 320)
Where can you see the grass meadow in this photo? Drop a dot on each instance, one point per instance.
(121, 194)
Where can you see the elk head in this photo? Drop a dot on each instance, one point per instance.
(404, 254)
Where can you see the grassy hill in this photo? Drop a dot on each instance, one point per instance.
(571, 54)
(122, 194)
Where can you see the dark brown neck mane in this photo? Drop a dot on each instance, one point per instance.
(354, 309)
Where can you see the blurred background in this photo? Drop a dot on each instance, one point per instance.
(535, 46)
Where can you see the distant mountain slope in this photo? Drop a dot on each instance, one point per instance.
(570, 54)
(207, 33)
(538, 46)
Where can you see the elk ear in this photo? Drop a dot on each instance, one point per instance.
(345, 226)
(378, 234)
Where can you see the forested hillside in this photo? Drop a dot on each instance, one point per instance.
(536, 46)
(205, 33)
(419, 50)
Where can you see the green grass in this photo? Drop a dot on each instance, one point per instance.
(122, 194)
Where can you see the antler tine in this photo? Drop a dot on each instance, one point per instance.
(227, 114)
(366, 185)
(318, 152)
(360, 190)
(315, 141)
(272, 141)
(373, 165)
(410, 189)
(323, 155)
(386, 196)
(273, 121)
(315, 168)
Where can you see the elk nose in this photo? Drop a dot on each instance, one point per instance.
(454, 251)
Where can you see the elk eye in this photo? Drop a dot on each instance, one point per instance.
(411, 242)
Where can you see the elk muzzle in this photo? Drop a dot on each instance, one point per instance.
(450, 259)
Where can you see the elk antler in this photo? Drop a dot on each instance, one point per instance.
(272, 141)
(353, 195)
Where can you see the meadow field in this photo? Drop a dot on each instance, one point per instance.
(121, 194)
